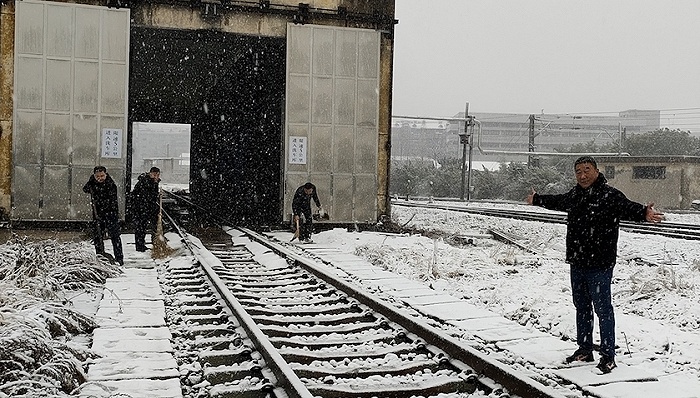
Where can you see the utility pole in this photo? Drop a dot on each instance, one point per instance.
(470, 138)
(531, 146)
(622, 134)
(465, 138)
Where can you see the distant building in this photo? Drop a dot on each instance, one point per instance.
(509, 132)
(671, 182)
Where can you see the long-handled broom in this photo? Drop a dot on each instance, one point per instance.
(296, 232)
(160, 246)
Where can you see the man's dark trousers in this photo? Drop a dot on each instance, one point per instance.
(305, 226)
(141, 227)
(591, 290)
(111, 225)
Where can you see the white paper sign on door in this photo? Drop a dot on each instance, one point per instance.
(297, 150)
(111, 143)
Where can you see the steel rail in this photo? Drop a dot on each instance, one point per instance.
(492, 374)
(672, 230)
(495, 371)
(286, 377)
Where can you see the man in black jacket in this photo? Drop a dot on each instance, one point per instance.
(301, 210)
(105, 211)
(145, 206)
(594, 210)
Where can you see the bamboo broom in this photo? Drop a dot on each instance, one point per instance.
(160, 246)
(296, 233)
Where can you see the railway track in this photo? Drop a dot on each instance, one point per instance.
(269, 321)
(672, 230)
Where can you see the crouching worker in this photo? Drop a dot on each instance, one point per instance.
(105, 212)
(301, 211)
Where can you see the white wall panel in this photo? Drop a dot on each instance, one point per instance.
(57, 139)
(115, 44)
(25, 202)
(322, 101)
(58, 85)
(79, 202)
(341, 200)
(299, 49)
(368, 63)
(365, 151)
(344, 101)
(59, 31)
(85, 88)
(84, 135)
(346, 53)
(29, 29)
(29, 82)
(87, 33)
(323, 52)
(365, 205)
(56, 194)
(298, 107)
(367, 103)
(113, 95)
(28, 129)
(343, 149)
(320, 155)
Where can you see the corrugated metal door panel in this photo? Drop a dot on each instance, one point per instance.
(71, 81)
(332, 103)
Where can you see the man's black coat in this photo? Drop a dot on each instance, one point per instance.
(593, 221)
(301, 203)
(104, 197)
(144, 198)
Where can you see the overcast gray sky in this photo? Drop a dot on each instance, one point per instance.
(551, 56)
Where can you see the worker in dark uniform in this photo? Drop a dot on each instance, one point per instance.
(105, 212)
(145, 206)
(301, 211)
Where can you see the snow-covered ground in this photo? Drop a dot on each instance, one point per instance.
(657, 309)
(658, 315)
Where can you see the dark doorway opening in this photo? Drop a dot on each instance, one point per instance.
(230, 89)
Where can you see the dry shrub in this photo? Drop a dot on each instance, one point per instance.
(36, 319)
(48, 267)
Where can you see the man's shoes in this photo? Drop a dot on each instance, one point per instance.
(140, 249)
(580, 355)
(606, 364)
(120, 261)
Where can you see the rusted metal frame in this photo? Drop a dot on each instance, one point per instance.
(303, 13)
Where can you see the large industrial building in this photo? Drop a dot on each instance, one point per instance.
(275, 93)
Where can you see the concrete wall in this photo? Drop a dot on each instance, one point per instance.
(7, 45)
(271, 22)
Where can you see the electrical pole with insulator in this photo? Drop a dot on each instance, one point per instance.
(531, 161)
(467, 140)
